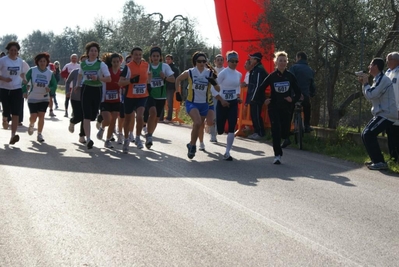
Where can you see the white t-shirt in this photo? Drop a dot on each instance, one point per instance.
(229, 82)
(71, 66)
(166, 69)
(13, 69)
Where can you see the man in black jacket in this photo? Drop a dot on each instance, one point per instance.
(255, 97)
(170, 88)
(305, 80)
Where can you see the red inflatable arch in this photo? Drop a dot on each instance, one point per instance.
(235, 20)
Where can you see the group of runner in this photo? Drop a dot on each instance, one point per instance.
(133, 96)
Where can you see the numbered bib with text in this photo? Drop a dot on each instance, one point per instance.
(111, 95)
(13, 70)
(89, 73)
(139, 89)
(157, 82)
(229, 94)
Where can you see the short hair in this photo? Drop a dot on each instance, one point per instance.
(302, 55)
(170, 56)
(196, 55)
(82, 56)
(379, 62)
(155, 49)
(136, 49)
(279, 54)
(11, 44)
(39, 56)
(89, 45)
(394, 55)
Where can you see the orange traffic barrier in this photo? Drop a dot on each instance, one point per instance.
(244, 121)
(176, 110)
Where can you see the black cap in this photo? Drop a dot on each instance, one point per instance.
(257, 55)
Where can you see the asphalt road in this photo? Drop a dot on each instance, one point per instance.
(62, 205)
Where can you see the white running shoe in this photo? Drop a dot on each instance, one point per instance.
(131, 137)
(71, 127)
(254, 136)
(100, 134)
(40, 138)
(138, 142)
(30, 130)
(145, 131)
(277, 160)
(202, 146)
(108, 144)
(120, 138)
(148, 142)
(125, 148)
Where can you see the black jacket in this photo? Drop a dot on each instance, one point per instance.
(171, 86)
(256, 76)
(281, 85)
(305, 77)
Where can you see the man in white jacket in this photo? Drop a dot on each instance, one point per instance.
(382, 98)
(393, 132)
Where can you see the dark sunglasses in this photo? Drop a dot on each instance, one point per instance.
(233, 61)
(201, 61)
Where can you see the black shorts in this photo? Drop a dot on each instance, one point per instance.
(110, 107)
(38, 107)
(52, 94)
(91, 99)
(122, 111)
(159, 104)
(12, 101)
(132, 104)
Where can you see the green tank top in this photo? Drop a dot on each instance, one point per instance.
(88, 71)
(158, 86)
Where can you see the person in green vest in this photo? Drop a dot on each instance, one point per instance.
(160, 74)
(92, 74)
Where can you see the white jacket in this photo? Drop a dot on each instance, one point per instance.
(394, 76)
(382, 97)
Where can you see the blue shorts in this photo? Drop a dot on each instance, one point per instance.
(202, 107)
(212, 107)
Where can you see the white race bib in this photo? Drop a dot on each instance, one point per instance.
(157, 82)
(229, 94)
(111, 95)
(139, 89)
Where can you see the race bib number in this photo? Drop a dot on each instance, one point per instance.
(200, 87)
(111, 95)
(13, 70)
(89, 74)
(282, 87)
(41, 82)
(139, 89)
(229, 94)
(157, 82)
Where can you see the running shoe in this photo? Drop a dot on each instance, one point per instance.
(40, 138)
(191, 151)
(145, 131)
(90, 144)
(108, 144)
(100, 134)
(213, 139)
(14, 139)
(112, 138)
(148, 142)
(202, 146)
(227, 157)
(131, 137)
(254, 136)
(71, 127)
(30, 130)
(120, 138)
(138, 142)
(82, 140)
(277, 160)
(52, 114)
(125, 148)
(66, 114)
(378, 166)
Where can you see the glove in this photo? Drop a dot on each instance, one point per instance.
(135, 79)
(178, 97)
(212, 81)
